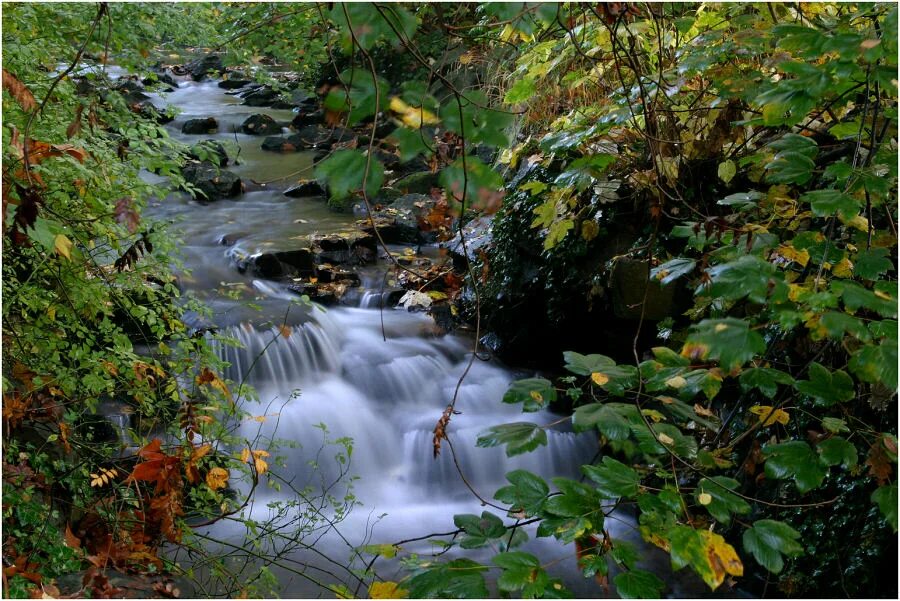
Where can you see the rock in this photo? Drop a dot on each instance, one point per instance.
(133, 97)
(278, 144)
(264, 96)
(312, 136)
(209, 150)
(130, 85)
(304, 118)
(260, 125)
(114, 583)
(234, 83)
(149, 111)
(200, 126)
(477, 235)
(200, 68)
(316, 293)
(390, 229)
(230, 239)
(357, 247)
(417, 183)
(388, 159)
(308, 187)
(211, 182)
(159, 77)
(275, 265)
(326, 274)
(627, 287)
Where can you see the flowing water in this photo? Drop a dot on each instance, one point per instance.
(380, 378)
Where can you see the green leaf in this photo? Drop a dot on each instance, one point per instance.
(475, 185)
(605, 417)
(457, 579)
(877, 363)
(557, 232)
(796, 460)
(827, 387)
(364, 97)
(617, 378)
(765, 379)
(722, 502)
(834, 425)
(730, 341)
(534, 393)
(826, 202)
(526, 492)
(363, 24)
(886, 499)
(742, 200)
(790, 168)
(520, 570)
(837, 451)
(747, 276)
(768, 540)
(519, 437)
(583, 172)
(344, 172)
(870, 264)
(614, 479)
(837, 323)
(576, 499)
(669, 357)
(727, 170)
(411, 142)
(638, 584)
(671, 270)
(479, 530)
(624, 553)
(520, 91)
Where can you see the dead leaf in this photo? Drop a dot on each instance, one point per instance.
(19, 91)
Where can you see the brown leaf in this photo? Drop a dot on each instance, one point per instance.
(879, 464)
(19, 91)
(126, 214)
(75, 126)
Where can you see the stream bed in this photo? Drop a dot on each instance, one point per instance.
(380, 378)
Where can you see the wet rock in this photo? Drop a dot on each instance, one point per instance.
(327, 274)
(263, 96)
(209, 150)
(296, 98)
(307, 117)
(628, 286)
(230, 239)
(390, 230)
(278, 144)
(211, 183)
(149, 111)
(200, 126)
(273, 265)
(130, 85)
(260, 125)
(160, 77)
(388, 159)
(355, 248)
(417, 183)
(234, 83)
(200, 68)
(132, 97)
(308, 187)
(113, 583)
(477, 234)
(312, 136)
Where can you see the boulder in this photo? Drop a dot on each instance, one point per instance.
(211, 182)
(200, 126)
(234, 83)
(308, 187)
(312, 136)
(149, 111)
(200, 68)
(159, 77)
(400, 222)
(260, 125)
(263, 96)
(308, 117)
(477, 235)
(209, 150)
(417, 183)
(130, 85)
(274, 265)
(356, 248)
(278, 144)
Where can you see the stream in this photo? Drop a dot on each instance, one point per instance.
(379, 377)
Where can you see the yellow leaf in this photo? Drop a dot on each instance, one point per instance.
(245, 455)
(51, 312)
(285, 330)
(63, 246)
(705, 498)
(769, 415)
(200, 452)
(701, 410)
(537, 396)
(599, 379)
(654, 415)
(217, 478)
(722, 558)
(387, 590)
(792, 254)
(720, 327)
(883, 295)
(676, 382)
(663, 438)
(843, 268)
(261, 466)
(411, 116)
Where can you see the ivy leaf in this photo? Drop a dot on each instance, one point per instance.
(825, 202)
(722, 503)
(886, 499)
(826, 386)
(670, 271)
(519, 437)
(614, 479)
(526, 492)
(638, 584)
(730, 341)
(765, 379)
(557, 232)
(479, 530)
(534, 393)
(582, 172)
(837, 451)
(605, 417)
(768, 540)
(344, 172)
(790, 168)
(796, 460)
